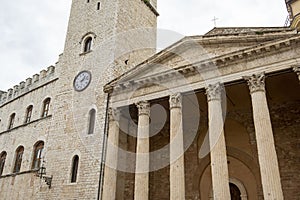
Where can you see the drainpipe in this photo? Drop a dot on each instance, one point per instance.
(103, 153)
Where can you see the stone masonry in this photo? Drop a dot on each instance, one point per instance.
(222, 110)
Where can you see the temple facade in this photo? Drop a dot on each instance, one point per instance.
(214, 116)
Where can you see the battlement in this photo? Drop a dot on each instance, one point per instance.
(29, 84)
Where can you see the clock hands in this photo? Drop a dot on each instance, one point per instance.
(85, 77)
(82, 81)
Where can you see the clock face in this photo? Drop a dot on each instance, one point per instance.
(82, 80)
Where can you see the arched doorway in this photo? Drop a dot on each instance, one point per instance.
(237, 190)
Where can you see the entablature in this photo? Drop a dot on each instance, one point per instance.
(268, 58)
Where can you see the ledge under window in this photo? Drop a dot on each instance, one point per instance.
(84, 53)
(19, 173)
(10, 130)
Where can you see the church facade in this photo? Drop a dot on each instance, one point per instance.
(210, 117)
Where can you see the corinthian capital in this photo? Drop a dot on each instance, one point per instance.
(214, 91)
(113, 114)
(296, 69)
(143, 107)
(256, 82)
(175, 101)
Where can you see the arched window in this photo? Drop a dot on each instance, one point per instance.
(37, 155)
(18, 161)
(87, 44)
(2, 161)
(28, 114)
(92, 119)
(46, 107)
(11, 121)
(74, 169)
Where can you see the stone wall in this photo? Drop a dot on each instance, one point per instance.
(286, 128)
(65, 132)
(25, 185)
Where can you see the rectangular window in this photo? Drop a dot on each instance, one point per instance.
(74, 169)
(46, 108)
(37, 155)
(19, 155)
(28, 114)
(37, 159)
(92, 119)
(11, 121)
(2, 162)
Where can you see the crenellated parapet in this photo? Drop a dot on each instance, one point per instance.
(29, 84)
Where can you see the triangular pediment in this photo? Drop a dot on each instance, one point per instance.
(195, 49)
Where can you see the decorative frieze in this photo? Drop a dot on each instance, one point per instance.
(256, 82)
(214, 92)
(175, 100)
(143, 107)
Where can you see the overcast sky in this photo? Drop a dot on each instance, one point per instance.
(33, 31)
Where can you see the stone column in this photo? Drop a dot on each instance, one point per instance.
(219, 168)
(110, 171)
(264, 138)
(177, 180)
(297, 70)
(141, 187)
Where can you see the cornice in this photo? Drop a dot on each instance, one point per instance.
(220, 61)
(296, 22)
(26, 124)
(248, 31)
(217, 39)
(183, 43)
(151, 7)
(32, 171)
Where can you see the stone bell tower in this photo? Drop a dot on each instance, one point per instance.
(104, 39)
(122, 31)
(293, 7)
